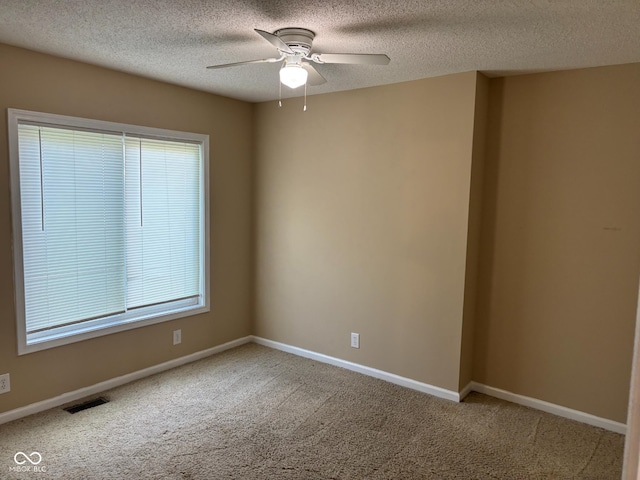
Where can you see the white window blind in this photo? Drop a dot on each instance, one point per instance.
(163, 219)
(112, 228)
(72, 185)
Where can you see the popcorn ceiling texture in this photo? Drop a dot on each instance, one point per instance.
(174, 41)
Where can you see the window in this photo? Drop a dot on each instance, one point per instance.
(110, 226)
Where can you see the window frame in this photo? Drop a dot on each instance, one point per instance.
(84, 329)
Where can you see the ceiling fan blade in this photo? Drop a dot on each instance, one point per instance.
(314, 77)
(352, 58)
(264, 60)
(274, 40)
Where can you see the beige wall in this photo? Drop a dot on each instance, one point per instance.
(370, 208)
(372, 216)
(43, 83)
(475, 224)
(561, 235)
(362, 210)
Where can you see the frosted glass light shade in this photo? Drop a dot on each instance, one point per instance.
(293, 76)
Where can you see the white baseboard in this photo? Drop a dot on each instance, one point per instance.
(449, 394)
(466, 390)
(116, 382)
(372, 372)
(550, 408)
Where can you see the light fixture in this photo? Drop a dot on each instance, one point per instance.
(293, 75)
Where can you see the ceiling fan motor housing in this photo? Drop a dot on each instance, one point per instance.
(299, 40)
(294, 46)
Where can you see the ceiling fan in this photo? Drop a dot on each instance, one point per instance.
(294, 48)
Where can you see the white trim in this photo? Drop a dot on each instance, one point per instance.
(55, 119)
(466, 390)
(448, 394)
(116, 382)
(372, 372)
(106, 326)
(355, 367)
(120, 321)
(631, 466)
(550, 408)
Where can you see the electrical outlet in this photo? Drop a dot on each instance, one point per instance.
(5, 383)
(355, 340)
(177, 337)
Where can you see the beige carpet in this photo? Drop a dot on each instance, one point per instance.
(257, 413)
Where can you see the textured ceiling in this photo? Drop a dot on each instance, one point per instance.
(174, 41)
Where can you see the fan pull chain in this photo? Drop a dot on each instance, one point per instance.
(280, 95)
(305, 97)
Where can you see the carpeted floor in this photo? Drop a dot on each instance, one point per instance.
(257, 413)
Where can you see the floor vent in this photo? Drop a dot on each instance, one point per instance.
(90, 404)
